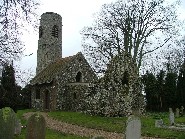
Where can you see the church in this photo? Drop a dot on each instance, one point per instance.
(60, 82)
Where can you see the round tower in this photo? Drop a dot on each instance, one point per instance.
(50, 40)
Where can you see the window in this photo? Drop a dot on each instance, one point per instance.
(79, 77)
(40, 31)
(37, 93)
(74, 96)
(125, 79)
(54, 32)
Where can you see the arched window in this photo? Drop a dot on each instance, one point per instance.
(79, 77)
(74, 95)
(37, 93)
(54, 32)
(40, 31)
(125, 78)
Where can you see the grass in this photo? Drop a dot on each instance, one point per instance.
(106, 123)
(118, 124)
(50, 134)
(113, 124)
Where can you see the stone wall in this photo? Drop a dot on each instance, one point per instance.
(118, 92)
(40, 103)
(67, 76)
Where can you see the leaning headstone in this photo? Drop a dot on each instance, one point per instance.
(181, 111)
(177, 112)
(133, 128)
(171, 117)
(7, 123)
(17, 127)
(159, 123)
(36, 127)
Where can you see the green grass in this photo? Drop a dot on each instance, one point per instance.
(118, 124)
(114, 124)
(50, 134)
(106, 123)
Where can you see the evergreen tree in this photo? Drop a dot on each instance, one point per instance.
(181, 87)
(170, 91)
(149, 82)
(8, 87)
(160, 96)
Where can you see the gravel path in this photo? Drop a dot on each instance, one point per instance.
(78, 130)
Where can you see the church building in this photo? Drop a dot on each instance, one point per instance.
(60, 82)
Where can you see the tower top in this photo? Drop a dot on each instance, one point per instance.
(50, 40)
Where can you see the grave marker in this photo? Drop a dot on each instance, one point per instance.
(133, 128)
(177, 112)
(171, 117)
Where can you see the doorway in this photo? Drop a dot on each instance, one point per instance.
(46, 100)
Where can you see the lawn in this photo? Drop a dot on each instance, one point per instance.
(117, 124)
(113, 124)
(50, 134)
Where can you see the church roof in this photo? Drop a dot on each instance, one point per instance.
(48, 74)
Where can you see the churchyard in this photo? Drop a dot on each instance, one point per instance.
(119, 127)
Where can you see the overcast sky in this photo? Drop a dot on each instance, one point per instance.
(75, 15)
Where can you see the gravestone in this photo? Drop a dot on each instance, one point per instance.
(36, 127)
(133, 128)
(181, 111)
(7, 123)
(17, 127)
(171, 117)
(177, 112)
(159, 123)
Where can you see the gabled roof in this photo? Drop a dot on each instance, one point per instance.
(48, 74)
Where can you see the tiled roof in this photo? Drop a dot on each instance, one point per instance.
(48, 74)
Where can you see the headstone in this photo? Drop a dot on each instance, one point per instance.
(133, 128)
(177, 112)
(17, 127)
(36, 127)
(171, 117)
(159, 123)
(181, 111)
(7, 123)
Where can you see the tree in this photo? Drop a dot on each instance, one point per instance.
(14, 16)
(8, 85)
(169, 97)
(132, 26)
(149, 81)
(181, 87)
(160, 89)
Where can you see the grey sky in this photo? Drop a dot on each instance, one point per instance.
(75, 15)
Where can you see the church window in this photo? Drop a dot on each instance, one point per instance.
(125, 78)
(79, 77)
(37, 93)
(54, 32)
(74, 96)
(40, 31)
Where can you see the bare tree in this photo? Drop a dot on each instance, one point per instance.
(137, 27)
(14, 16)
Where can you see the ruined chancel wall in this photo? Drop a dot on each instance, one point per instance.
(119, 91)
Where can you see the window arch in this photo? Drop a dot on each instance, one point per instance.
(79, 77)
(54, 32)
(40, 31)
